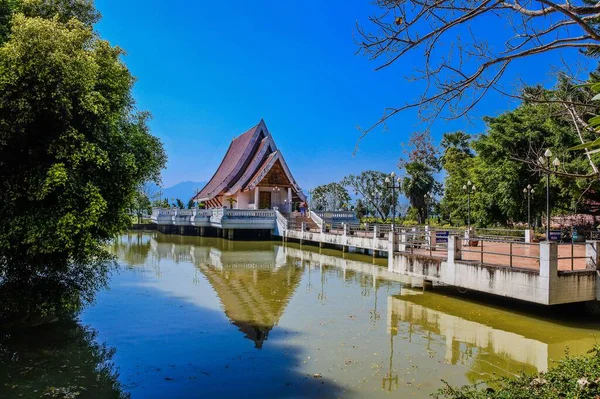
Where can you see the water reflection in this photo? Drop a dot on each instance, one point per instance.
(487, 340)
(60, 360)
(343, 316)
(253, 281)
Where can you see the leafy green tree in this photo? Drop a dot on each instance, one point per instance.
(371, 186)
(179, 204)
(191, 204)
(417, 185)
(330, 197)
(360, 209)
(420, 162)
(457, 161)
(73, 152)
(141, 205)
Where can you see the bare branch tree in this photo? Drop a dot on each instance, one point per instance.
(458, 75)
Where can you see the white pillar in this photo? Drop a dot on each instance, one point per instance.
(548, 271)
(391, 249)
(529, 235)
(592, 255)
(256, 197)
(289, 199)
(454, 248)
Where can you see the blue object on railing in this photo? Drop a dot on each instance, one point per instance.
(442, 236)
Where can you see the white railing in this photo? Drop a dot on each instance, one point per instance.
(249, 213)
(335, 214)
(281, 220)
(204, 213)
(155, 213)
(317, 219)
(185, 212)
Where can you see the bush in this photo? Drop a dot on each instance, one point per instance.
(572, 377)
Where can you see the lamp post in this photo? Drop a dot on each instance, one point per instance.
(556, 164)
(426, 198)
(529, 191)
(375, 198)
(469, 188)
(391, 184)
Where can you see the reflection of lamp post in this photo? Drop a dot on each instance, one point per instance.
(374, 314)
(556, 164)
(391, 378)
(391, 184)
(469, 188)
(529, 191)
(322, 295)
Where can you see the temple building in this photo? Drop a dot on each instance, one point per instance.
(252, 175)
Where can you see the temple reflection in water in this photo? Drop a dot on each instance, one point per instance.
(255, 282)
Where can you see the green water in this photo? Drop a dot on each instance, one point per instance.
(190, 317)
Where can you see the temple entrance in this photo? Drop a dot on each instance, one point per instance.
(264, 201)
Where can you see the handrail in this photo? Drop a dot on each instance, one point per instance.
(281, 219)
(316, 218)
(335, 214)
(237, 213)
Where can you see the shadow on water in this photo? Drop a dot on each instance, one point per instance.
(61, 360)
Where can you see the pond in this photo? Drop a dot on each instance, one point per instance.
(204, 317)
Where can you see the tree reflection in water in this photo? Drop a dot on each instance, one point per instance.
(60, 360)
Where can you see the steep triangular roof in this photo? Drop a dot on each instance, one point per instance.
(249, 158)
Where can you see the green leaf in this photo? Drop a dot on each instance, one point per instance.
(591, 144)
(595, 120)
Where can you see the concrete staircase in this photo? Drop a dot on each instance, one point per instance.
(295, 223)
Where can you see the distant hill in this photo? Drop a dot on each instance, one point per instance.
(184, 190)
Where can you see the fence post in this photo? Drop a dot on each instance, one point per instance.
(592, 257)
(454, 248)
(548, 267)
(529, 235)
(391, 249)
(375, 238)
(402, 244)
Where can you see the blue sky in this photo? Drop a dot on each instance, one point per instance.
(208, 71)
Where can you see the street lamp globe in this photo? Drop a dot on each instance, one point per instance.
(556, 163)
(529, 187)
(393, 174)
(524, 190)
(548, 153)
(387, 179)
(473, 187)
(465, 187)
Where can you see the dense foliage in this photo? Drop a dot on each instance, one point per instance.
(377, 194)
(330, 197)
(73, 151)
(498, 170)
(573, 377)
